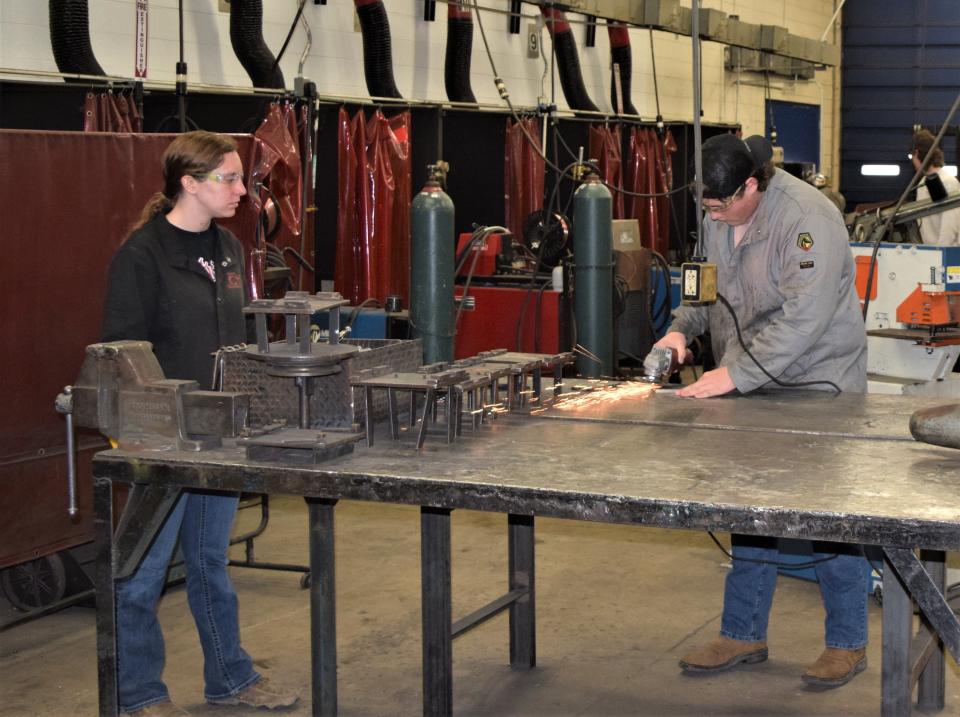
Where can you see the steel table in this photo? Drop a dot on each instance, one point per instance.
(831, 486)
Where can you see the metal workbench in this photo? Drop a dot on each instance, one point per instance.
(814, 467)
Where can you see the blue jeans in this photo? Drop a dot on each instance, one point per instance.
(749, 591)
(203, 523)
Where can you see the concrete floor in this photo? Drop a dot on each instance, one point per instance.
(616, 607)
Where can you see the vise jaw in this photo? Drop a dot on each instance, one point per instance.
(122, 392)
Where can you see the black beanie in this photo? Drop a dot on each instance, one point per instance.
(729, 161)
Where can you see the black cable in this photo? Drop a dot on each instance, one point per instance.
(799, 384)
(664, 269)
(791, 566)
(286, 42)
(505, 96)
(626, 192)
(356, 310)
(299, 259)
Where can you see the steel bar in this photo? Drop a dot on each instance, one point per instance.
(895, 687)
(523, 633)
(147, 508)
(323, 619)
(368, 406)
(429, 405)
(436, 606)
(929, 598)
(476, 618)
(392, 413)
(932, 683)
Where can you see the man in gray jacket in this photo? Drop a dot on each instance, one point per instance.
(785, 269)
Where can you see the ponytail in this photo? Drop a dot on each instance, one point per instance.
(158, 203)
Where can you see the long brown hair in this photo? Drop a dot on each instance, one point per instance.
(190, 154)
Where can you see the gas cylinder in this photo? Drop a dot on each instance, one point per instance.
(431, 270)
(593, 276)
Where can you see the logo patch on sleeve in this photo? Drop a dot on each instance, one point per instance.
(806, 264)
(805, 241)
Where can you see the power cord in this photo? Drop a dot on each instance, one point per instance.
(799, 384)
(792, 566)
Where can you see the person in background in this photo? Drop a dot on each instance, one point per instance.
(941, 229)
(177, 282)
(785, 267)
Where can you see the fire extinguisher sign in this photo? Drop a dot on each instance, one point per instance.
(140, 59)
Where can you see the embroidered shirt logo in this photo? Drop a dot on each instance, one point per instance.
(209, 267)
(233, 280)
(805, 241)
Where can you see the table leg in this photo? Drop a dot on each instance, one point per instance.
(437, 609)
(523, 633)
(323, 618)
(106, 609)
(931, 685)
(897, 627)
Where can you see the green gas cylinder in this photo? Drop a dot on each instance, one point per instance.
(593, 276)
(431, 271)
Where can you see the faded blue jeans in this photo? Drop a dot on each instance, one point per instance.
(749, 591)
(203, 523)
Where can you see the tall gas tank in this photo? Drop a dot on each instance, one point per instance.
(431, 271)
(593, 276)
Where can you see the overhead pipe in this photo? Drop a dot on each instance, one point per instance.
(377, 55)
(70, 37)
(456, 71)
(620, 57)
(246, 36)
(568, 61)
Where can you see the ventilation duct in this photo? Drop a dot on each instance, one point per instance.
(620, 56)
(568, 61)
(70, 37)
(246, 36)
(377, 57)
(456, 72)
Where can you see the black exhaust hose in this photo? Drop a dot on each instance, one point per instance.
(622, 56)
(568, 61)
(456, 71)
(571, 77)
(377, 55)
(70, 37)
(246, 36)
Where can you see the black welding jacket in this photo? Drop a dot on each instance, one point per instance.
(157, 291)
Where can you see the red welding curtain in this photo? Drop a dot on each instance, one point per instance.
(650, 172)
(373, 217)
(605, 143)
(110, 111)
(523, 174)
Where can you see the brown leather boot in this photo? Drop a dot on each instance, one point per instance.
(835, 667)
(160, 709)
(723, 653)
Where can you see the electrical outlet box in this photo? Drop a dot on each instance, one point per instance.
(698, 283)
(533, 41)
(223, 5)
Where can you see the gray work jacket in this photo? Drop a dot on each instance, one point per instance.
(791, 283)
